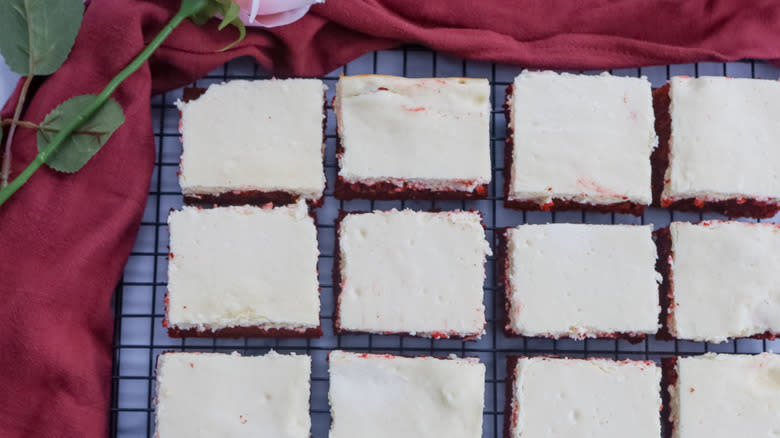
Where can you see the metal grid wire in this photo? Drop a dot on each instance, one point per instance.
(139, 336)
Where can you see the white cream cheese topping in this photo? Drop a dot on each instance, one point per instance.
(263, 135)
(582, 280)
(726, 280)
(581, 138)
(726, 395)
(382, 396)
(413, 272)
(243, 266)
(227, 395)
(725, 139)
(586, 398)
(433, 133)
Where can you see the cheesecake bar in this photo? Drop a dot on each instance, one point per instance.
(721, 280)
(579, 398)
(380, 396)
(409, 272)
(580, 281)
(719, 145)
(724, 395)
(405, 138)
(578, 142)
(229, 395)
(243, 271)
(254, 142)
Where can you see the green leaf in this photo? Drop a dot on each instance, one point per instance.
(84, 143)
(241, 34)
(37, 35)
(230, 14)
(229, 10)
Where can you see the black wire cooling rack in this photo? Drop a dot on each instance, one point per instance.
(138, 305)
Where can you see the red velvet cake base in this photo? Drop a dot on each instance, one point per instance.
(564, 205)
(386, 191)
(663, 243)
(738, 207)
(336, 275)
(556, 204)
(338, 285)
(733, 208)
(668, 378)
(510, 416)
(252, 197)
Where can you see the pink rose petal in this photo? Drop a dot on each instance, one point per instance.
(272, 13)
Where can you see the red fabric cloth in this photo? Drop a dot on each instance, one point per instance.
(64, 239)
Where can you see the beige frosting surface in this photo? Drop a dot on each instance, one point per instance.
(230, 396)
(414, 272)
(582, 280)
(726, 280)
(263, 135)
(586, 398)
(382, 396)
(581, 138)
(727, 395)
(243, 266)
(725, 136)
(432, 132)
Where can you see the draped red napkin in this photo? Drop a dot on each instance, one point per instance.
(64, 239)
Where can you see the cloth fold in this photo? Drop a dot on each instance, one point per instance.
(64, 239)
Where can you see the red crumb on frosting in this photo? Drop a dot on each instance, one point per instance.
(598, 188)
(439, 335)
(415, 109)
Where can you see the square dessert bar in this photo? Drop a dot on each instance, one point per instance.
(243, 271)
(409, 272)
(724, 395)
(382, 396)
(722, 280)
(573, 398)
(254, 142)
(580, 280)
(227, 395)
(578, 142)
(719, 148)
(403, 138)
